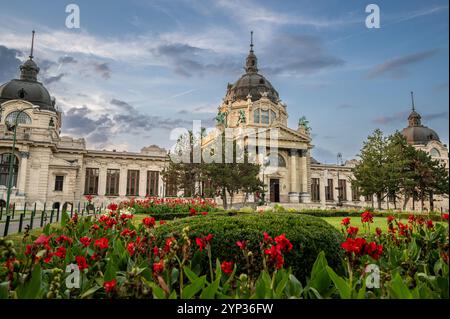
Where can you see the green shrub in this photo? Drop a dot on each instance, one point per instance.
(309, 236)
(247, 210)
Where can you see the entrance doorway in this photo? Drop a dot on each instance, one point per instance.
(274, 190)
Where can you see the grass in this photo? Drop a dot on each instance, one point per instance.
(380, 222)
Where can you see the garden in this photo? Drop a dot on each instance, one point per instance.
(189, 248)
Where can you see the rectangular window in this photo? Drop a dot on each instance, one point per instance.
(329, 195)
(342, 184)
(315, 189)
(368, 198)
(355, 194)
(91, 181)
(112, 182)
(152, 183)
(264, 117)
(133, 183)
(59, 183)
(256, 116)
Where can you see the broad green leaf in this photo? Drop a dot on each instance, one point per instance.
(190, 274)
(32, 289)
(345, 291)
(398, 289)
(90, 292)
(158, 292)
(64, 218)
(4, 290)
(294, 287)
(191, 290)
(111, 269)
(210, 291)
(320, 280)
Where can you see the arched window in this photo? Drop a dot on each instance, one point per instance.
(276, 160)
(256, 116)
(23, 118)
(264, 117)
(435, 153)
(273, 116)
(4, 169)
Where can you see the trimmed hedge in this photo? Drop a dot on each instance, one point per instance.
(309, 236)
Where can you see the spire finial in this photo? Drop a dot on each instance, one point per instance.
(412, 101)
(251, 40)
(32, 44)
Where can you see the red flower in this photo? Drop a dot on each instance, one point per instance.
(156, 251)
(149, 222)
(227, 267)
(404, 229)
(411, 219)
(378, 231)
(267, 238)
(209, 237)
(445, 216)
(162, 222)
(102, 243)
(169, 242)
(64, 238)
(430, 224)
(373, 250)
(192, 212)
(204, 213)
(85, 241)
(201, 243)
(353, 245)
(128, 232)
(352, 231)
(43, 240)
(110, 285)
(366, 217)
(284, 243)
(345, 221)
(275, 256)
(28, 250)
(390, 219)
(131, 248)
(95, 226)
(113, 207)
(158, 267)
(89, 198)
(61, 252)
(81, 262)
(241, 244)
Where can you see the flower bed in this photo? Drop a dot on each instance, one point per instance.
(109, 257)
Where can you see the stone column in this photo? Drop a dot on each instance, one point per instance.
(304, 195)
(102, 180)
(293, 194)
(336, 187)
(323, 183)
(349, 189)
(123, 180)
(142, 182)
(21, 178)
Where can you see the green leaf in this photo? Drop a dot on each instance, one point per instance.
(210, 291)
(111, 270)
(345, 291)
(158, 292)
(4, 290)
(281, 285)
(191, 290)
(64, 218)
(398, 289)
(190, 274)
(90, 292)
(294, 287)
(320, 280)
(32, 289)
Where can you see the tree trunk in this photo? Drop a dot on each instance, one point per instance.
(431, 202)
(224, 198)
(405, 201)
(379, 201)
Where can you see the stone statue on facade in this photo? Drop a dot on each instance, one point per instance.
(242, 118)
(303, 123)
(221, 118)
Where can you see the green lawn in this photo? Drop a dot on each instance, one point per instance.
(356, 221)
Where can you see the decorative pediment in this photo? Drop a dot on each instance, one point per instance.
(55, 161)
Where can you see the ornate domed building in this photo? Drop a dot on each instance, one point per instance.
(52, 170)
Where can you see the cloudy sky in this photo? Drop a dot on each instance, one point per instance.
(137, 68)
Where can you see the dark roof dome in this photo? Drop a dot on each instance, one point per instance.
(27, 87)
(251, 83)
(416, 133)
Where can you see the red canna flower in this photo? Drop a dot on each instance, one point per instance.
(241, 244)
(209, 237)
(158, 267)
(162, 222)
(378, 231)
(284, 243)
(192, 212)
(373, 250)
(156, 251)
(227, 267)
(61, 252)
(128, 232)
(102, 243)
(28, 250)
(445, 216)
(113, 207)
(430, 224)
(390, 219)
(267, 238)
(366, 217)
(201, 243)
(204, 213)
(353, 245)
(352, 231)
(345, 221)
(110, 285)
(64, 238)
(149, 222)
(85, 241)
(81, 262)
(275, 256)
(131, 248)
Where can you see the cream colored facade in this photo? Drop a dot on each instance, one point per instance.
(55, 170)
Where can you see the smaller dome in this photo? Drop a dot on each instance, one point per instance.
(254, 84)
(33, 92)
(419, 135)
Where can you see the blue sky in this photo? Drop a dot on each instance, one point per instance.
(136, 69)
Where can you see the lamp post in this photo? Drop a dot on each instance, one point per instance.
(10, 172)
